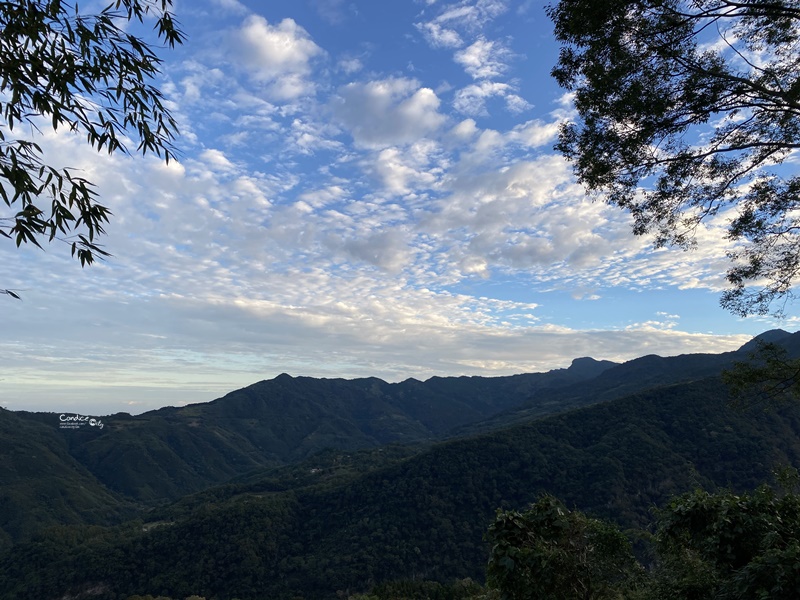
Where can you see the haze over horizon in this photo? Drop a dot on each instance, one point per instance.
(364, 189)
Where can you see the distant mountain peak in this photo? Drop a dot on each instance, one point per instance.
(582, 361)
(768, 337)
(587, 366)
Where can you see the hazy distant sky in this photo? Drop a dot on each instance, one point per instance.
(366, 188)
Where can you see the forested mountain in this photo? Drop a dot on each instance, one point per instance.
(614, 440)
(42, 484)
(344, 522)
(630, 377)
(164, 454)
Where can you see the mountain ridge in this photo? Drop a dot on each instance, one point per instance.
(322, 527)
(162, 455)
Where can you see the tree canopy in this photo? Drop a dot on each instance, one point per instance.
(64, 69)
(551, 552)
(706, 547)
(770, 377)
(687, 110)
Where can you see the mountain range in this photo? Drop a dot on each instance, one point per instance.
(164, 454)
(308, 486)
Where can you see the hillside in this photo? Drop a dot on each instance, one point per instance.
(633, 376)
(331, 525)
(286, 419)
(42, 484)
(162, 455)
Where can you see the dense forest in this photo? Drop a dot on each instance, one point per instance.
(344, 522)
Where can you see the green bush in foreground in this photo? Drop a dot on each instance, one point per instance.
(720, 546)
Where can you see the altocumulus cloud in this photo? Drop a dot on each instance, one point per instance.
(335, 215)
(388, 112)
(278, 55)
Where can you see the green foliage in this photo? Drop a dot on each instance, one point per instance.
(64, 69)
(769, 377)
(42, 485)
(349, 522)
(163, 455)
(720, 546)
(686, 110)
(551, 552)
(463, 589)
(727, 546)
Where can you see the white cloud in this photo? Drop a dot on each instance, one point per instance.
(350, 65)
(440, 37)
(232, 6)
(535, 134)
(388, 112)
(516, 104)
(308, 136)
(516, 219)
(320, 198)
(279, 55)
(280, 244)
(214, 273)
(471, 100)
(387, 249)
(465, 130)
(197, 83)
(401, 172)
(483, 59)
(217, 159)
(470, 15)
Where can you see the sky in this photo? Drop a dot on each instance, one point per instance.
(364, 189)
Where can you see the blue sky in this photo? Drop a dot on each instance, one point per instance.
(364, 189)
